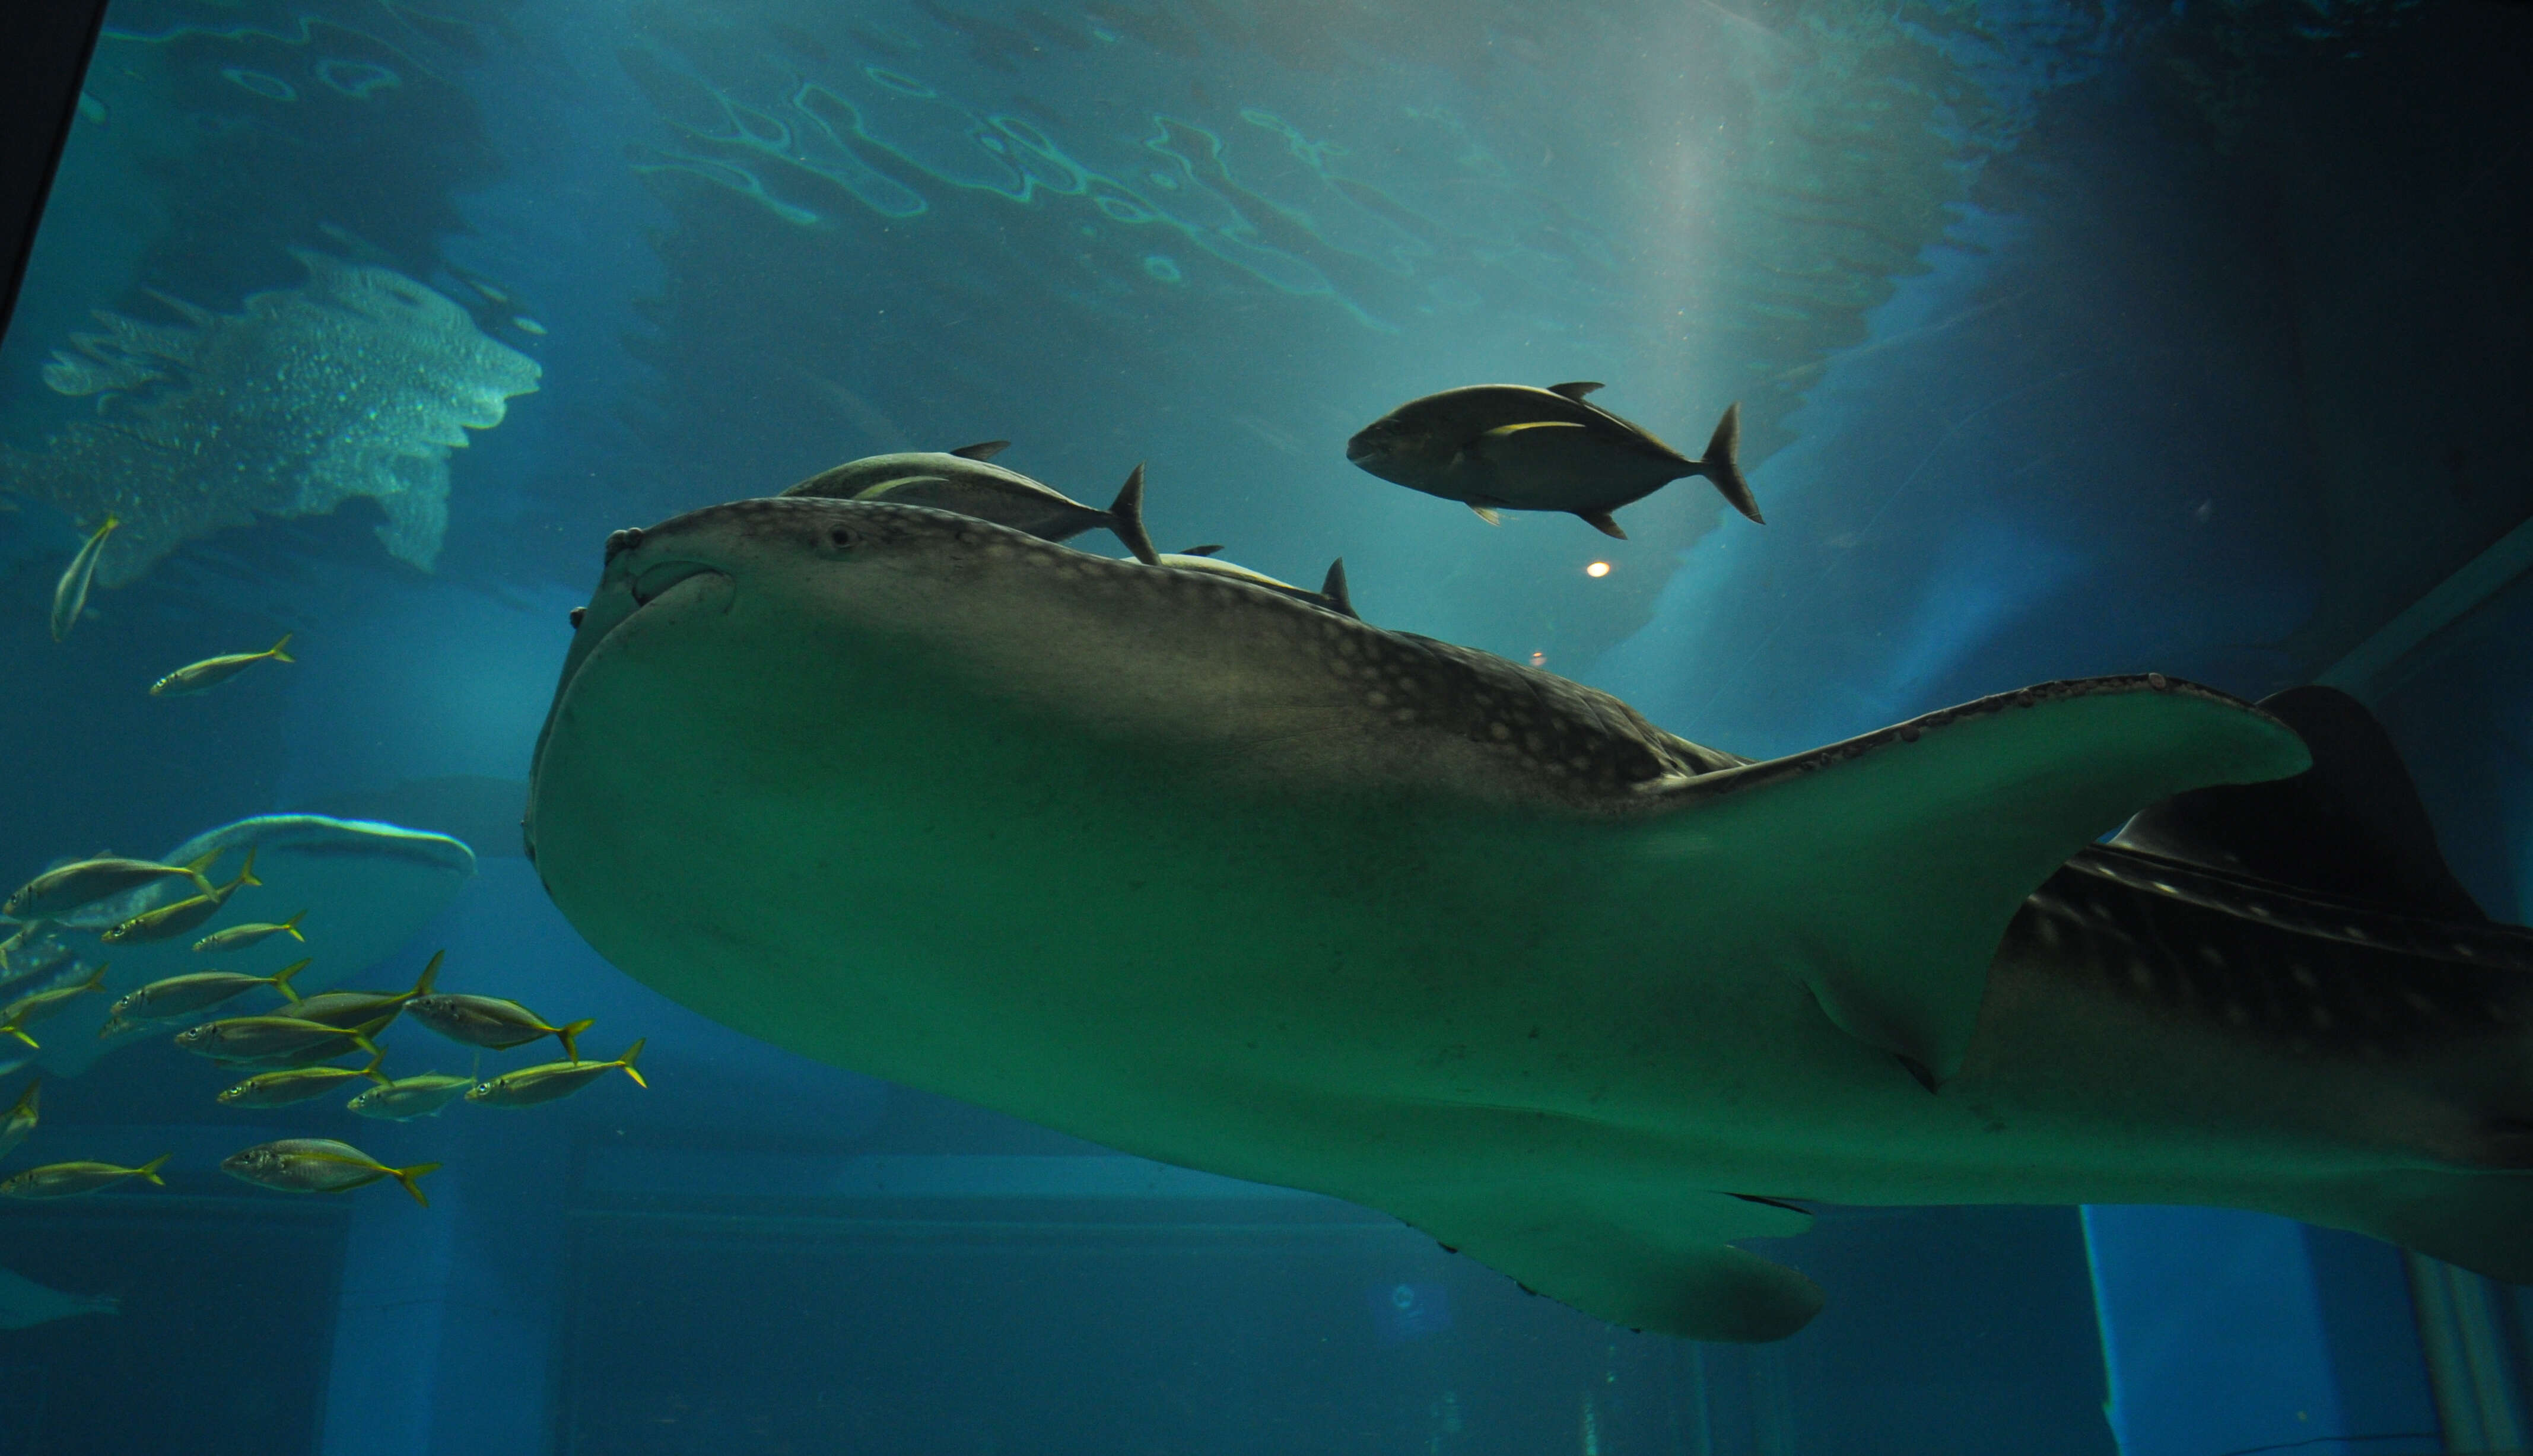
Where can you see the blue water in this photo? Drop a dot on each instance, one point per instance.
(2069, 339)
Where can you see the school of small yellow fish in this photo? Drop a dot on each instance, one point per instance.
(287, 1053)
(1494, 447)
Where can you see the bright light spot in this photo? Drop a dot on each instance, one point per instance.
(1597, 569)
(1538, 660)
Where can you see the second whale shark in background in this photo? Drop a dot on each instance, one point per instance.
(1188, 867)
(1513, 448)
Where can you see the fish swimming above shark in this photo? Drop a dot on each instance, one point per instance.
(930, 799)
(965, 481)
(1498, 447)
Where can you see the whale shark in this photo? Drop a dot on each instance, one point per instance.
(1213, 875)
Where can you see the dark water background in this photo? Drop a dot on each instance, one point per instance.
(2070, 339)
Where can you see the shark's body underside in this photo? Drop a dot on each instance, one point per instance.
(1211, 875)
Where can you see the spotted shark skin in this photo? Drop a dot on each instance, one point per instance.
(1211, 875)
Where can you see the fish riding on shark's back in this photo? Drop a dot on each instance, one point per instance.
(965, 481)
(1498, 447)
(1897, 970)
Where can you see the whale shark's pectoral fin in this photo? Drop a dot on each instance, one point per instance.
(1675, 1277)
(1884, 870)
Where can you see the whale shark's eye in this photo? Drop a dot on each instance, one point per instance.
(843, 538)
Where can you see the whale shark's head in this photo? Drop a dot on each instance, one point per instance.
(881, 632)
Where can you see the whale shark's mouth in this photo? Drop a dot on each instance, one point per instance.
(655, 580)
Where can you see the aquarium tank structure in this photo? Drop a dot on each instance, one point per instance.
(1266, 727)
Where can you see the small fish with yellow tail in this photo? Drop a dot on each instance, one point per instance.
(211, 673)
(530, 1085)
(70, 594)
(239, 937)
(316, 1165)
(409, 1097)
(276, 1041)
(180, 995)
(70, 1180)
(297, 1085)
(19, 1121)
(26, 1011)
(169, 921)
(352, 1007)
(59, 890)
(491, 1022)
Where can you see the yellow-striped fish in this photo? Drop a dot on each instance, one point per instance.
(70, 594)
(20, 1121)
(59, 890)
(211, 673)
(239, 937)
(28, 1010)
(530, 1085)
(70, 1180)
(171, 921)
(315, 1165)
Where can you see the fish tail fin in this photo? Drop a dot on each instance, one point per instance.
(371, 1071)
(411, 1177)
(430, 973)
(27, 1099)
(1126, 519)
(281, 978)
(19, 1032)
(150, 1169)
(246, 871)
(197, 869)
(276, 652)
(95, 978)
(626, 1062)
(292, 925)
(570, 1036)
(1722, 464)
(1333, 587)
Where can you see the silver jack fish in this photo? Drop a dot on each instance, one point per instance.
(70, 594)
(70, 1180)
(181, 996)
(530, 1085)
(318, 1165)
(211, 673)
(58, 892)
(169, 921)
(961, 480)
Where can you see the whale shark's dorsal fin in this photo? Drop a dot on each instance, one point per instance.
(1574, 392)
(1933, 831)
(983, 449)
(2351, 827)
